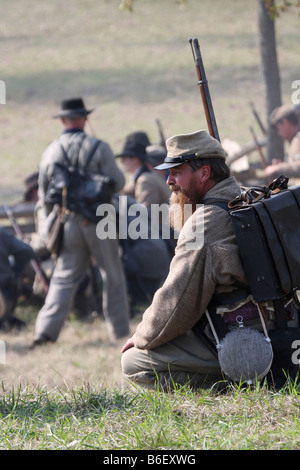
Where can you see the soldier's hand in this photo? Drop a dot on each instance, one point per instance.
(129, 344)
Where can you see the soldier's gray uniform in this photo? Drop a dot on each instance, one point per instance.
(81, 242)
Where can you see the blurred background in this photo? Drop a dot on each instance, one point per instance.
(133, 66)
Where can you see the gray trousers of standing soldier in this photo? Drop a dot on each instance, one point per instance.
(81, 241)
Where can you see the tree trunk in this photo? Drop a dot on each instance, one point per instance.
(271, 76)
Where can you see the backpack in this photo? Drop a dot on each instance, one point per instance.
(85, 190)
(266, 221)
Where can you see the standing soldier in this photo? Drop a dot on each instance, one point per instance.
(80, 240)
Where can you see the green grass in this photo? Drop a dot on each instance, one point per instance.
(137, 419)
(71, 396)
(133, 68)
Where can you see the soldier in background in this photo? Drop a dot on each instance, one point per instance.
(286, 121)
(146, 263)
(31, 187)
(156, 153)
(155, 156)
(14, 257)
(296, 108)
(146, 187)
(80, 240)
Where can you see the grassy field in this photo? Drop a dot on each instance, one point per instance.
(71, 396)
(133, 68)
(104, 419)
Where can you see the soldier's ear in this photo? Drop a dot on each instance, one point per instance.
(204, 173)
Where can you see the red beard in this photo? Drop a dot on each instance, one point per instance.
(181, 208)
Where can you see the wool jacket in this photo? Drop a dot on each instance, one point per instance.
(149, 188)
(195, 274)
(76, 143)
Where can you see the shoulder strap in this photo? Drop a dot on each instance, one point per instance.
(68, 161)
(222, 203)
(78, 147)
(91, 153)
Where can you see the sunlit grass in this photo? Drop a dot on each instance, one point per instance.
(138, 419)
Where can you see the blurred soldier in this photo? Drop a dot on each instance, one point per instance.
(146, 187)
(296, 108)
(146, 263)
(80, 240)
(31, 187)
(86, 299)
(14, 256)
(146, 260)
(155, 156)
(285, 119)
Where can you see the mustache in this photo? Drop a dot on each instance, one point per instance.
(174, 187)
(182, 193)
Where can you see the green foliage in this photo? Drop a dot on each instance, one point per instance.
(127, 5)
(276, 7)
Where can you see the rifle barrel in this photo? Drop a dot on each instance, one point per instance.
(204, 90)
(161, 134)
(256, 115)
(258, 147)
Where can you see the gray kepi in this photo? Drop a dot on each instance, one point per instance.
(186, 147)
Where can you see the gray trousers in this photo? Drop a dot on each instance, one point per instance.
(81, 241)
(184, 360)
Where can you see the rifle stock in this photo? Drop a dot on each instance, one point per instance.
(204, 90)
